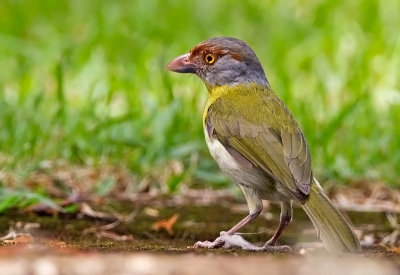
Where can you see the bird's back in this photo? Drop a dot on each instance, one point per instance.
(254, 103)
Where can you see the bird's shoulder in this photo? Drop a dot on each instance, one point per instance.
(255, 104)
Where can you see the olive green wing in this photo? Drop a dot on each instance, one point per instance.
(298, 159)
(281, 152)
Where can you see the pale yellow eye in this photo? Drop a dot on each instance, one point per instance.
(209, 58)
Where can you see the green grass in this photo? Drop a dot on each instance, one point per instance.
(84, 82)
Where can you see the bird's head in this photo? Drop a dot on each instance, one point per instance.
(221, 61)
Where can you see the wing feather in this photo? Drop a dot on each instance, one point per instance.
(281, 153)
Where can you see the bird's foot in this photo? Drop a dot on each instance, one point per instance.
(271, 246)
(276, 248)
(226, 240)
(217, 243)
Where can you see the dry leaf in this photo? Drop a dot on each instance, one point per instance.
(166, 224)
(393, 249)
(20, 240)
(152, 212)
(56, 244)
(113, 236)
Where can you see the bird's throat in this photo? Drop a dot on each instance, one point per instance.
(213, 94)
(216, 92)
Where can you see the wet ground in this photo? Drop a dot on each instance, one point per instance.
(157, 238)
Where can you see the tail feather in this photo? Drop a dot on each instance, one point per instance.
(334, 231)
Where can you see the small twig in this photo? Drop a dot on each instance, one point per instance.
(391, 238)
(109, 226)
(88, 211)
(104, 230)
(393, 220)
(12, 235)
(367, 206)
(131, 217)
(113, 236)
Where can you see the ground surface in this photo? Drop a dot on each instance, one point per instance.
(142, 263)
(157, 238)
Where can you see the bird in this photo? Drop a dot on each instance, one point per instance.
(258, 144)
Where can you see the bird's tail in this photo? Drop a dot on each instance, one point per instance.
(333, 229)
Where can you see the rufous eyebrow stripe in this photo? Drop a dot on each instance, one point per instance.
(206, 48)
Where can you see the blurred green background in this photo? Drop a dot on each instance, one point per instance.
(84, 83)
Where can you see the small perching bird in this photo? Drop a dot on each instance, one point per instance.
(257, 143)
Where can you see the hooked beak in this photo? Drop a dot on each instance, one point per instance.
(181, 64)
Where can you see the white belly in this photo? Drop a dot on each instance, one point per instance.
(238, 173)
(224, 159)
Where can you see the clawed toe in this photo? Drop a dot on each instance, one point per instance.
(207, 244)
(277, 248)
(236, 241)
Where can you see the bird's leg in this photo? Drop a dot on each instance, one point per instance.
(220, 241)
(285, 219)
(246, 220)
(255, 207)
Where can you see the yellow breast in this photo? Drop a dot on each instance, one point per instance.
(213, 95)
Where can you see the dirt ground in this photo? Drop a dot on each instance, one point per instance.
(157, 237)
(191, 263)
